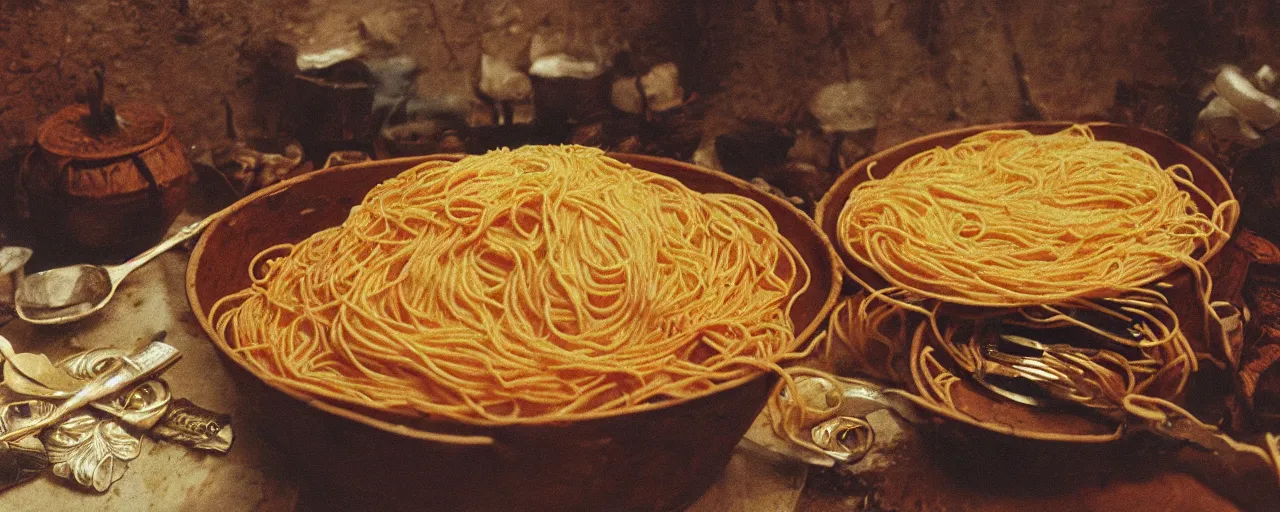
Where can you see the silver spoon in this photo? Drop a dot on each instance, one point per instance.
(67, 294)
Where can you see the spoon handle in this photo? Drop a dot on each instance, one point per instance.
(118, 272)
(150, 360)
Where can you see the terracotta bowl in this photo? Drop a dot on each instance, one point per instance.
(661, 458)
(980, 407)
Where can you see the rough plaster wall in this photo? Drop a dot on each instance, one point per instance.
(936, 64)
(958, 71)
(932, 64)
(1073, 72)
(189, 63)
(48, 48)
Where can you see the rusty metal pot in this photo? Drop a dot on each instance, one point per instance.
(102, 196)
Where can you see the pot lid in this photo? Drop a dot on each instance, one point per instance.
(66, 133)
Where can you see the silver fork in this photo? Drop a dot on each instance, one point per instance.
(1057, 370)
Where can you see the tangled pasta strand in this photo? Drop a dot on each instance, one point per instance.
(535, 284)
(1041, 232)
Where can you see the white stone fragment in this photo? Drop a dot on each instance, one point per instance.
(844, 107)
(662, 87)
(502, 81)
(563, 65)
(326, 58)
(626, 96)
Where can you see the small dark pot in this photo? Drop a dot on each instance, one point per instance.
(104, 197)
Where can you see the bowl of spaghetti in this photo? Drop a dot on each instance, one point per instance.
(545, 328)
(1034, 279)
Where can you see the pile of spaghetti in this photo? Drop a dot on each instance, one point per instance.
(1032, 258)
(536, 284)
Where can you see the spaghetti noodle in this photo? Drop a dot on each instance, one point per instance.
(1009, 231)
(535, 284)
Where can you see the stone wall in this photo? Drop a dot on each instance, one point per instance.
(927, 64)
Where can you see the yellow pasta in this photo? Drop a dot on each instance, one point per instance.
(1006, 218)
(535, 284)
(1037, 232)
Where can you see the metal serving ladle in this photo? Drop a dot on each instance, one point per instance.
(67, 294)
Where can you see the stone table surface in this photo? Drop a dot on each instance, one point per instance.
(917, 476)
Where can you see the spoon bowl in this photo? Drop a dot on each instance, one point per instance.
(64, 294)
(67, 294)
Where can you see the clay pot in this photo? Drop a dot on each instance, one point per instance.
(974, 405)
(658, 458)
(107, 196)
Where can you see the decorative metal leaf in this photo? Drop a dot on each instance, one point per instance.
(16, 415)
(25, 458)
(39, 368)
(91, 451)
(20, 384)
(87, 365)
(142, 406)
(191, 425)
(33, 375)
